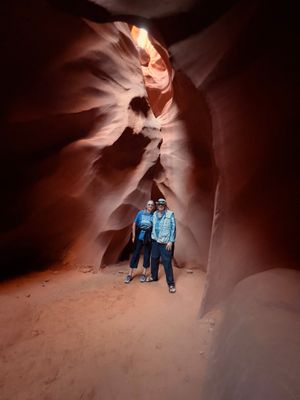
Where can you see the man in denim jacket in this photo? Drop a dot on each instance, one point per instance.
(163, 239)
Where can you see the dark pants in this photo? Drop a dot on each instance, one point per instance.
(137, 252)
(159, 251)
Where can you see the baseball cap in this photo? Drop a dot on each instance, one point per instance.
(161, 202)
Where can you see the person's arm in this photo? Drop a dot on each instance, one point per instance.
(133, 231)
(135, 224)
(153, 234)
(172, 233)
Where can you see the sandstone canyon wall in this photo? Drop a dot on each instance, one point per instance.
(223, 140)
(82, 150)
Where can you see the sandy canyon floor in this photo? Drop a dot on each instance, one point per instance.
(66, 335)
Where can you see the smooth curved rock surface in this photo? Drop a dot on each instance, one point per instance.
(256, 355)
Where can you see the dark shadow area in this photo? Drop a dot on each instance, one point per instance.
(120, 156)
(83, 8)
(155, 192)
(187, 23)
(115, 247)
(140, 104)
(24, 139)
(126, 252)
(39, 243)
(154, 171)
(199, 127)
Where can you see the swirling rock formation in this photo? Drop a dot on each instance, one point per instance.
(103, 133)
(83, 144)
(206, 115)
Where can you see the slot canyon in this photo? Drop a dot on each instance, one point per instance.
(106, 104)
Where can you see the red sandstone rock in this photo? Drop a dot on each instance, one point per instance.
(81, 152)
(225, 119)
(256, 354)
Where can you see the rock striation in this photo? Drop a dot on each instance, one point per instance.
(206, 115)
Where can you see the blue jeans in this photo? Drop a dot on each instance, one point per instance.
(159, 251)
(137, 252)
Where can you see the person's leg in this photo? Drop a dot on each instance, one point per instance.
(147, 253)
(155, 255)
(134, 260)
(166, 257)
(136, 254)
(146, 263)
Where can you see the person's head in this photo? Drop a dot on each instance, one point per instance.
(150, 206)
(161, 204)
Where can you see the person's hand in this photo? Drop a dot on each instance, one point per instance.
(169, 246)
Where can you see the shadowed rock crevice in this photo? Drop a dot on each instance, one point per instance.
(140, 105)
(154, 171)
(116, 241)
(155, 192)
(200, 138)
(126, 152)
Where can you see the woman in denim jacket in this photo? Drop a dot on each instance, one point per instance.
(141, 237)
(163, 239)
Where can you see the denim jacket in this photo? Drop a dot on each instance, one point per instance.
(167, 232)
